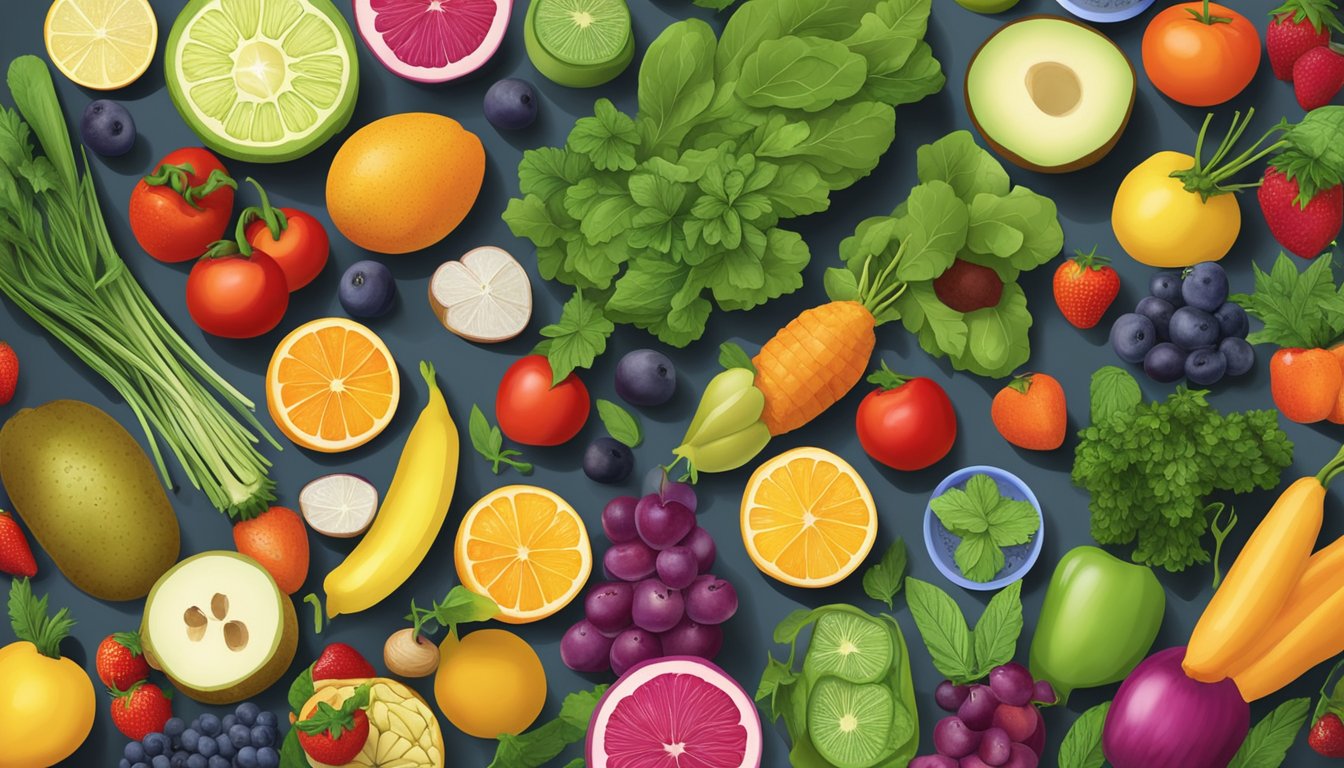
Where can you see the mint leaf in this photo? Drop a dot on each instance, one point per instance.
(620, 424)
(1081, 747)
(1113, 391)
(489, 443)
(960, 511)
(884, 579)
(1268, 743)
(1012, 522)
(577, 339)
(943, 628)
(1294, 307)
(800, 73)
(998, 629)
(609, 138)
(978, 558)
(733, 356)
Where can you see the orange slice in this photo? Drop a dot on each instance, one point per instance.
(525, 548)
(332, 385)
(808, 519)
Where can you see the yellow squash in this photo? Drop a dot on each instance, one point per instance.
(1161, 224)
(411, 514)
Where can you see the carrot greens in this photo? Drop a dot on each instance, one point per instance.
(58, 265)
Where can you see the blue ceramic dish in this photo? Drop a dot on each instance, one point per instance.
(942, 543)
(1105, 11)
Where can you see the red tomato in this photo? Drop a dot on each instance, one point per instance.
(182, 208)
(532, 412)
(909, 426)
(1201, 53)
(235, 295)
(301, 246)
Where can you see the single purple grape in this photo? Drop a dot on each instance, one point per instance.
(710, 600)
(618, 519)
(677, 567)
(973, 761)
(633, 646)
(1042, 692)
(951, 737)
(1021, 756)
(977, 711)
(691, 639)
(608, 607)
(1018, 722)
(682, 493)
(949, 696)
(584, 649)
(657, 607)
(629, 560)
(995, 747)
(662, 524)
(702, 544)
(1011, 683)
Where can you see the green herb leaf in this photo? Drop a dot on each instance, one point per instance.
(301, 690)
(943, 628)
(978, 558)
(676, 84)
(776, 677)
(733, 356)
(544, 743)
(1113, 391)
(884, 579)
(841, 285)
(576, 340)
(1081, 747)
(886, 378)
(576, 710)
(1268, 743)
(460, 606)
(957, 160)
(291, 753)
(609, 138)
(964, 512)
(1298, 309)
(786, 631)
(28, 616)
(489, 443)
(800, 73)
(620, 424)
(998, 629)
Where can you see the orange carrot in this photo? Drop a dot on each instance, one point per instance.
(813, 362)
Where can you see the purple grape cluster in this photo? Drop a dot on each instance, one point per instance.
(659, 598)
(247, 738)
(994, 725)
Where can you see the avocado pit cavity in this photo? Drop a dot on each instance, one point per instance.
(1054, 88)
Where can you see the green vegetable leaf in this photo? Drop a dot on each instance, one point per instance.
(1114, 391)
(888, 35)
(733, 356)
(786, 631)
(539, 746)
(934, 233)
(782, 262)
(998, 629)
(996, 337)
(28, 617)
(978, 558)
(941, 329)
(530, 218)
(548, 171)
(1298, 309)
(841, 285)
(964, 512)
(920, 76)
(291, 752)
(676, 83)
(301, 690)
(846, 139)
(1021, 227)
(957, 160)
(577, 339)
(808, 73)
(576, 710)
(885, 578)
(1081, 747)
(459, 606)
(1267, 744)
(609, 138)
(776, 677)
(489, 442)
(620, 424)
(943, 628)
(604, 208)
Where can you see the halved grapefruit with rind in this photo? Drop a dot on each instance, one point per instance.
(677, 710)
(433, 41)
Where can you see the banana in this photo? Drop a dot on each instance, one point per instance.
(411, 514)
(727, 453)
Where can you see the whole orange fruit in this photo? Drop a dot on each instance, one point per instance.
(1305, 383)
(402, 183)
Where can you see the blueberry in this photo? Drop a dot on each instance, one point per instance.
(1132, 336)
(210, 725)
(646, 377)
(1205, 286)
(1167, 286)
(135, 752)
(218, 761)
(160, 761)
(142, 764)
(179, 759)
(367, 289)
(266, 718)
(607, 461)
(263, 735)
(107, 128)
(197, 761)
(124, 763)
(246, 758)
(190, 738)
(1239, 354)
(174, 727)
(228, 722)
(1159, 311)
(156, 744)
(1232, 320)
(1165, 362)
(240, 735)
(511, 104)
(224, 746)
(247, 713)
(208, 746)
(1205, 366)
(268, 758)
(1193, 328)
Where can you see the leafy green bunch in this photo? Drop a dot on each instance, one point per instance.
(657, 218)
(1148, 466)
(963, 210)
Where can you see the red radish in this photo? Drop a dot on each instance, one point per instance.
(431, 41)
(1304, 230)
(1317, 76)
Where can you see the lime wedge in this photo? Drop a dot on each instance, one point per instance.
(265, 81)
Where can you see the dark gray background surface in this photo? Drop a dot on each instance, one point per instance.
(469, 373)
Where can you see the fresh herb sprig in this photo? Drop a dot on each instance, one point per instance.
(620, 423)
(986, 521)
(1267, 744)
(1297, 309)
(544, 743)
(489, 442)
(459, 606)
(961, 654)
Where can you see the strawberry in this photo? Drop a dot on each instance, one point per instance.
(1317, 77)
(120, 661)
(332, 736)
(1304, 227)
(9, 373)
(1085, 286)
(1031, 412)
(341, 662)
(1296, 27)
(16, 557)
(1327, 736)
(141, 711)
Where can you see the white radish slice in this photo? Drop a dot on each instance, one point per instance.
(485, 296)
(341, 506)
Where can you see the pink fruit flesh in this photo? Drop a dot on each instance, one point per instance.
(432, 41)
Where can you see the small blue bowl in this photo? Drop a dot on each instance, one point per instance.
(942, 543)
(1105, 11)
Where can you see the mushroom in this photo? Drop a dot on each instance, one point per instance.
(407, 654)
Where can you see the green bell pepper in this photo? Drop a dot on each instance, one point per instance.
(1100, 617)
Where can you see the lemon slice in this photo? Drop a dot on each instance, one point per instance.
(483, 297)
(101, 44)
(263, 81)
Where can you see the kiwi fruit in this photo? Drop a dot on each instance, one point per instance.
(579, 43)
(850, 724)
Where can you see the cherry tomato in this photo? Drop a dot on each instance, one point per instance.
(178, 211)
(236, 295)
(295, 239)
(1200, 53)
(532, 412)
(906, 423)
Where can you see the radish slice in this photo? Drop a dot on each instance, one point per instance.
(484, 297)
(341, 506)
(433, 41)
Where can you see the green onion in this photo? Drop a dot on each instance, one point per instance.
(58, 265)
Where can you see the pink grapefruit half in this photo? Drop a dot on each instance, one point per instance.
(432, 41)
(675, 711)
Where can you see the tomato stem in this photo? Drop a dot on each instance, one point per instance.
(1206, 178)
(274, 218)
(1206, 17)
(178, 177)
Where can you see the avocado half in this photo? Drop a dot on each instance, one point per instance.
(219, 627)
(1050, 94)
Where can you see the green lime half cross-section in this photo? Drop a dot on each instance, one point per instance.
(265, 81)
(579, 43)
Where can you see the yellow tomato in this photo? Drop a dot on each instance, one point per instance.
(490, 682)
(1160, 224)
(46, 707)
